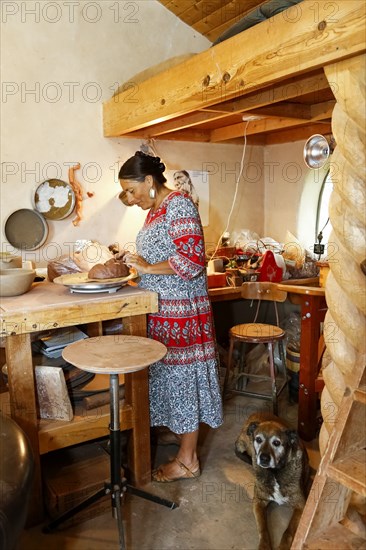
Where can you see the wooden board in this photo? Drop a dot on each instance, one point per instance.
(241, 64)
(49, 306)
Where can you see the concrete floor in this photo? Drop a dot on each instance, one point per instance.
(215, 511)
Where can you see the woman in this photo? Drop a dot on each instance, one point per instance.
(183, 387)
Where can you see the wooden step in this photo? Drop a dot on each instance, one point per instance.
(350, 471)
(335, 538)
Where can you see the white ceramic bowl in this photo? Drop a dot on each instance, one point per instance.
(16, 281)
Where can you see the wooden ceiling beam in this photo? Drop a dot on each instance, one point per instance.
(255, 127)
(181, 123)
(322, 111)
(284, 110)
(296, 134)
(282, 91)
(215, 75)
(182, 135)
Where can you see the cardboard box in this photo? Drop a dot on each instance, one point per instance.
(72, 475)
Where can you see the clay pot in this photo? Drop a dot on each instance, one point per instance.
(14, 282)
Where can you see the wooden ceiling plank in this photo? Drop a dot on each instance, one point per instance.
(296, 134)
(178, 7)
(186, 135)
(281, 91)
(201, 10)
(194, 119)
(214, 30)
(217, 21)
(255, 127)
(321, 111)
(283, 110)
(285, 49)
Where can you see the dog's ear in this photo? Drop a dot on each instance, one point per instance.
(293, 437)
(251, 428)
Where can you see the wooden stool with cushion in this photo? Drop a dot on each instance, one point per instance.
(259, 333)
(113, 355)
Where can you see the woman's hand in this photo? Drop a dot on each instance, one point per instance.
(134, 260)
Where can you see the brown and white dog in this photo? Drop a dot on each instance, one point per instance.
(281, 469)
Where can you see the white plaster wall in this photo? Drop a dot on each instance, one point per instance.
(291, 193)
(59, 62)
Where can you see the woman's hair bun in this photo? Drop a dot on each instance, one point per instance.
(155, 161)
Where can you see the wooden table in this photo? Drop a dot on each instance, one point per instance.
(50, 306)
(313, 308)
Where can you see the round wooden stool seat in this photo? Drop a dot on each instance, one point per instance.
(117, 354)
(257, 332)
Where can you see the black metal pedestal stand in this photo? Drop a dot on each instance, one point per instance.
(118, 485)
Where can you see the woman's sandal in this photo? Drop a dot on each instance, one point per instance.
(187, 473)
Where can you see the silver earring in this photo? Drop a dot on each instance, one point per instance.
(152, 193)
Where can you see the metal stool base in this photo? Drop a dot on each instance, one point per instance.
(118, 485)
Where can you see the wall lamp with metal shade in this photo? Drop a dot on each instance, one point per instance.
(317, 150)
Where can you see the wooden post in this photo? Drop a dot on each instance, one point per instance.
(346, 284)
(23, 408)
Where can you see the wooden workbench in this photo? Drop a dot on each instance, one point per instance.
(49, 306)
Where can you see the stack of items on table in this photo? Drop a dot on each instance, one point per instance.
(84, 388)
(260, 259)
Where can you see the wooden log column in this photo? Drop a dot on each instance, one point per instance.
(345, 327)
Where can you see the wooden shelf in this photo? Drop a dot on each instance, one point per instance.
(85, 426)
(350, 471)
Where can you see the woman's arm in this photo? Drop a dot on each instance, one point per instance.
(143, 267)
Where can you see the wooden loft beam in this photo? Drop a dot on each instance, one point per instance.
(284, 110)
(286, 49)
(183, 135)
(321, 111)
(256, 127)
(297, 134)
(186, 121)
(281, 91)
(288, 110)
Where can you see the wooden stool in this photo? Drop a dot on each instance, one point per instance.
(259, 333)
(113, 355)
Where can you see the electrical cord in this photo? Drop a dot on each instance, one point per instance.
(236, 190)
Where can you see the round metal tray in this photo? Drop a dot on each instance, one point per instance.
(54, 199)
(26, 229)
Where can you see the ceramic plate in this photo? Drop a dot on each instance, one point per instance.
(26, 229)
(54, 199)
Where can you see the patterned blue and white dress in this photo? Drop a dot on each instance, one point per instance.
(184, 386)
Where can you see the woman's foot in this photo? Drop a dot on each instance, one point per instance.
(175, 470)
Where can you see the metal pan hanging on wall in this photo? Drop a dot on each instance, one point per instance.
(54, 199)
(26, 229)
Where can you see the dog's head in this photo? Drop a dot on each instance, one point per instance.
(271, 443)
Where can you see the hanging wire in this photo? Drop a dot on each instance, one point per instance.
(236, 191)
